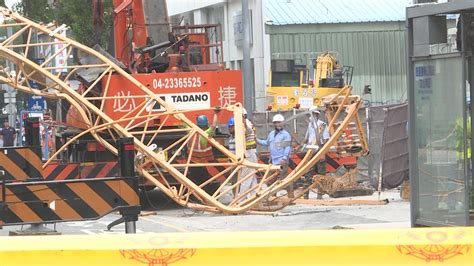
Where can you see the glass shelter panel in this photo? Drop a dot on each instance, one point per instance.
(439, 129)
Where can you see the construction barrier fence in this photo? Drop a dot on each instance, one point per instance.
(67, 171)
(59, 201)
(21, 163)
(423, 246)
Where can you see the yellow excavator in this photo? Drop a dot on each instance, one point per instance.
(300, 80)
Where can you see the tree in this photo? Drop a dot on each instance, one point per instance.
(77, 14)
(37, 10)
(79, 17)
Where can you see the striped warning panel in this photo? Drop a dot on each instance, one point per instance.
(21, 163)
(68, 171)
(98, 169)
(70, 200)
(61, 171)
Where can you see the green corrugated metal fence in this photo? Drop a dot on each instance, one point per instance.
(378, 57)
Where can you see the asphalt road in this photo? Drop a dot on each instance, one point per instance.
(163, 215)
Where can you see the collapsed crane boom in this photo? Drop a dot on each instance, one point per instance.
(172, 162)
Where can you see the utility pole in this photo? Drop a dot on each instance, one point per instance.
(249, 91)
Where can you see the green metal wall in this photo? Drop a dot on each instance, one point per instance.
(377, 53)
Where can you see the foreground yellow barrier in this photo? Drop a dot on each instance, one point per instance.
(426, 246)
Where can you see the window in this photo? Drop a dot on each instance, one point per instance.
(285, 79)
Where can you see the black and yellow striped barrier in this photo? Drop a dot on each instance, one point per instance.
(21, 163)
(68, 171)
(426, 246)
(70, 200)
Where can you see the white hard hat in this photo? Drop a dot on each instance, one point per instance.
(314, 109)
(278, 118)
(244, 112)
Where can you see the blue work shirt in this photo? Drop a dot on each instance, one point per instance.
(279, 142)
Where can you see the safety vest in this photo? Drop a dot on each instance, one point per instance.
(460, 138)
(202, 151)
(250, 140)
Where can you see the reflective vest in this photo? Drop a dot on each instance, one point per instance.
(250, 140)
(202, 151)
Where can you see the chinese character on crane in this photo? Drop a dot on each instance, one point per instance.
(122, 103)
(227, 96)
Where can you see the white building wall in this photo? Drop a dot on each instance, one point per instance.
(211, 12)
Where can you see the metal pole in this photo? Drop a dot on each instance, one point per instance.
(249, 91)
(130, 227)
(126, 151)
(413, 152)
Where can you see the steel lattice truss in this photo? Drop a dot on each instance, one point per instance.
(152, 164)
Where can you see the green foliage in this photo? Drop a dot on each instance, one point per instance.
(38, 10)
(77, 14)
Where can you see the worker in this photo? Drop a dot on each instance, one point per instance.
(250, 155)
(202, 151)
(231, 139)
(8, 134)
(317, 134)
(279, 141)
(244, 113)
(250, 139)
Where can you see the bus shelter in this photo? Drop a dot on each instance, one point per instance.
(440, 41)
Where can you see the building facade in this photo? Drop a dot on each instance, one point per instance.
(368, 35)
(228, 14)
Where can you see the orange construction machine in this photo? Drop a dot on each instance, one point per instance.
(183, 64)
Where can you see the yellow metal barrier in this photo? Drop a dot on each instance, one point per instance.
(427, 246)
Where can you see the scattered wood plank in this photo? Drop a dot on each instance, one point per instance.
(147, 213)
(338, 202)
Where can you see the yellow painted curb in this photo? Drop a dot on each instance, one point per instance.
(425, 246)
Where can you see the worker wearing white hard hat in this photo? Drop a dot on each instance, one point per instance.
(317, 134)
(314, 109)
(250, 155)
(279, 143)
(313, 136)
(250, 140)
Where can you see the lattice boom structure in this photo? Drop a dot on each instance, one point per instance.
(138, 123)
